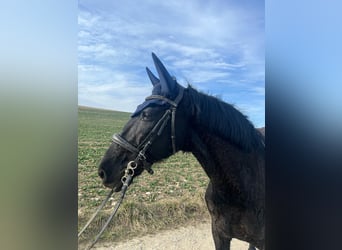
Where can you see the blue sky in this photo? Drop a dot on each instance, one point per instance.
(216, 46)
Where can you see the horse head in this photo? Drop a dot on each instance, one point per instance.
(155, 131)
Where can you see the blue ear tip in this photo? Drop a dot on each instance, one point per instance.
(149, 72)
(155, 58)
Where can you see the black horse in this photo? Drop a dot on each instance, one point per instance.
(229, 148)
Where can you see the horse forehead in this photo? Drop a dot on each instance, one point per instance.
(148, 103)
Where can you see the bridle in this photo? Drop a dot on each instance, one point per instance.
(141, 156)
(156, 131)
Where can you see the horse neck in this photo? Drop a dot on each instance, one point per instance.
(223, 161)
(229, 169)
(209, 150)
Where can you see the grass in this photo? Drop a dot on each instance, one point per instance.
(172, 197)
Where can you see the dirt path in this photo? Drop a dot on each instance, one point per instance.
(187, 238)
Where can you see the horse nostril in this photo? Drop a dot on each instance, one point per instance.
(102, 174)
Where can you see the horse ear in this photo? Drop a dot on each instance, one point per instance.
(168, 84)
(152, 77)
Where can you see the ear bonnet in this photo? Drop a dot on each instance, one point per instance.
(165, 85)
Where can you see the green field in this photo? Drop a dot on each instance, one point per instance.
(172, 197)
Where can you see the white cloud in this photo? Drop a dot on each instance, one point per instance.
(86, 19)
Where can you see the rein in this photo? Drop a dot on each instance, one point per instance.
(141, 157)
(126, 180)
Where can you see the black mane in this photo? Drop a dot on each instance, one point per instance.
(224, 120)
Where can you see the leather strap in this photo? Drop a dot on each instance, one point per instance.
(125, 144)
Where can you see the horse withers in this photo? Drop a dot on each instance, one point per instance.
(224, 141)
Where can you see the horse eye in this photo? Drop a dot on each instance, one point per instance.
(145, 115)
